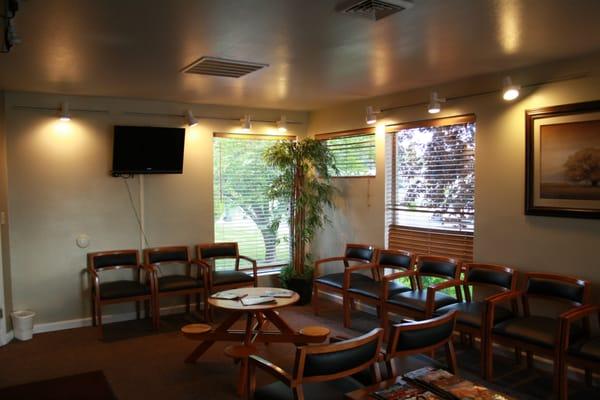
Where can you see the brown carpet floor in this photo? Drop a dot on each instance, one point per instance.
(142, 364)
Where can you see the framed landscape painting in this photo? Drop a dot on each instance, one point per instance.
(563, 161)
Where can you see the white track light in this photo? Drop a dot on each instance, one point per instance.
(282, 124)
(371, 115)
(435, 101)
(190, 119)
(246, 123)
(64, 111)
(509, 90)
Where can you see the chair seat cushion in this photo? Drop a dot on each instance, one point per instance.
(588, 348)
(118, 289)
(534, 329)
(230, 277)
(313, 391)
(372, 288)
(470, 313)
(416, 299)
(178, 282)
(337, 280)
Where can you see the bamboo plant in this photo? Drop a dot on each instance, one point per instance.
(305, 166)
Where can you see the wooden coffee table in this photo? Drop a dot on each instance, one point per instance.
(256, 318)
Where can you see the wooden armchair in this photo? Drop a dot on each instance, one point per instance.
(361, 253)
(583, 353)
(471, 314)
(180, 284)
(120, 291)
(421, 337)
(320, 371)
(226, 279)
(535, 333)
(424, 301)
(371, 291)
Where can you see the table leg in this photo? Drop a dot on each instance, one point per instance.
(278, 322)
(206, 344)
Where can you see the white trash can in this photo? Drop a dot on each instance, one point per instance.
(23, 324)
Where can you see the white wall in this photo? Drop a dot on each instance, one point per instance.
(59, 187)
(503, 233)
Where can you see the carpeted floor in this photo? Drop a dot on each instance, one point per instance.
(142, 364)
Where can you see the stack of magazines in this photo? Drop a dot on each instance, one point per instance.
(432, 383)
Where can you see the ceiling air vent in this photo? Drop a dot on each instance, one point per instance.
(222, 67)
(374, 9)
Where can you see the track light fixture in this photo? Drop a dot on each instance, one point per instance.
(371, 115)
(282, 124)
(190, 119)
(65, 115)
(510, 91)
(246, 123)
(435, 101)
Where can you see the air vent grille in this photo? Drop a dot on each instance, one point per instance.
(222, 67)
(374, 9)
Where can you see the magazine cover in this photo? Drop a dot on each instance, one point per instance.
(402, 390)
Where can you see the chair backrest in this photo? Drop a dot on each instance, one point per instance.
(490, 275)
(115, 259)
(170, 254)
(212, 251)
(420, 336)
(556, 287)
(326, 362)
(396, 259)
(442, 267)
(359, 252)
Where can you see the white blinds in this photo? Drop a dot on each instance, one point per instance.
(242, 212)
(354, 155)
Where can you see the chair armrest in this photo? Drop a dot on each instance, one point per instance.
(568, 317)
(349, 270)
(431, 290)
(490, 306)
(397, 275)
(274, 370)
(385, 288)
(203, 268)
(323, 261)
(254, 266)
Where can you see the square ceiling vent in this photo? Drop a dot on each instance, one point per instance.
(373, 9)
(215, 66)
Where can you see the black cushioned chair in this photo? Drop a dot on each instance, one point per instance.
(422, 337)
(230, 278)
(535, 333)
(471, 313)
(181, 284)
(422, 302)
(361, 253)
(120, 291)
(320, 371)
(581, 353)
(371, 291)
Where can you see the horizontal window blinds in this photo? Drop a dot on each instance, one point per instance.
(354, 153)
(242, 211)
(430, 188)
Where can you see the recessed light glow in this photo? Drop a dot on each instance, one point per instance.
(509, 90)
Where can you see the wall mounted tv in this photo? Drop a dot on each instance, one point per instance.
(148, 150)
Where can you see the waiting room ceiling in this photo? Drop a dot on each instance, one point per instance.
(317, 56)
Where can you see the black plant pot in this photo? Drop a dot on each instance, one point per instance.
(303, 287)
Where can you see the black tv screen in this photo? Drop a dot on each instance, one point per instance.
(148, 150)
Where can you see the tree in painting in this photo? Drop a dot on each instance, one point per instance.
(584, 166)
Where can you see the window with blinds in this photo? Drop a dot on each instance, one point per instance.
(242, 211)
(430, 187)
(354, 153)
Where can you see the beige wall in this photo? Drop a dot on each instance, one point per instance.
(4, 233)
(60, 187)
(503, 233)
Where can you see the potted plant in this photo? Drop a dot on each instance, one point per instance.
(305, 182)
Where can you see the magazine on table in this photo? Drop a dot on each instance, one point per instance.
(402, 390)
(283, 293)
(443, 382)
(227, 295)
(254, 300)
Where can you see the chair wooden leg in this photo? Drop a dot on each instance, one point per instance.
(347, 312)
(378, 311)
(188, 301)
(137, 310)
(451, 357)
(488, 360)
(518, 355)
(241, 386)
(563, 381)
(94, 321)
(198, 302)
(589, 377)
(315, 299)
(99, 317)
(146, 309)
(157, 311)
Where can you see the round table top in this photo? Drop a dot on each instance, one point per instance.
(253, 291)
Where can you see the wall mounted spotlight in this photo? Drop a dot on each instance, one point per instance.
(435, 101)
(246, 123)
(282, 124)
(510, 91)
(371, 115)
(190, 119)
(65, 115)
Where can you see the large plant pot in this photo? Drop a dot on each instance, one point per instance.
(303, 287)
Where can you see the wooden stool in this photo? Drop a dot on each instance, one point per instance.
(315, 331)
(240, 353)
(192, 329)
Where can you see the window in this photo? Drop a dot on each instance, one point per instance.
(354, 152)
(242, 212)
(430, 187)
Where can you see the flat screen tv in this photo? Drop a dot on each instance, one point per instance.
(148, 150)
